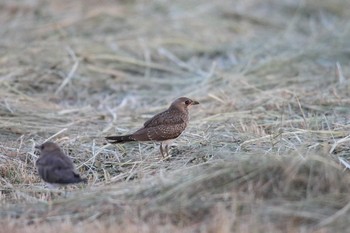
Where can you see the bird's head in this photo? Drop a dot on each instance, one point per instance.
(47, 147)
(183, 103)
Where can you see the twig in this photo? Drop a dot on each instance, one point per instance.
(71, 72)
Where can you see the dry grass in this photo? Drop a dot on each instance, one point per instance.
(266, 151)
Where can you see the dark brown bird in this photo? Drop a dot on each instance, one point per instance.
(163, 127)
(54, 166)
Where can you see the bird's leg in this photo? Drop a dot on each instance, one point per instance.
(65, 192)
(161, 149)
(49, 195)
(167, 150)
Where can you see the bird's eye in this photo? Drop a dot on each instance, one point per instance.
(187, 102)
(42, 147)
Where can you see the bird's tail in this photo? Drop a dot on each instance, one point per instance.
(84, 180)
(70, 177)
(78, 179)
(120, 139)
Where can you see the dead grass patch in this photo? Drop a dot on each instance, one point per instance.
(267, 149)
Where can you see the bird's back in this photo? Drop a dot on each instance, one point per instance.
(168, 117)
(163, 126)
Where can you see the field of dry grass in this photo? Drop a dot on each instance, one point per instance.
(267, 150)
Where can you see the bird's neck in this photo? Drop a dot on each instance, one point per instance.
(178, 110)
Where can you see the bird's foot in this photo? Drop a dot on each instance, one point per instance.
(166, 157)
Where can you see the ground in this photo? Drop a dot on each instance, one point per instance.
(267, 149)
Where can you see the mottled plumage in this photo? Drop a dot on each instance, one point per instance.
(55, 167)
(162, 127)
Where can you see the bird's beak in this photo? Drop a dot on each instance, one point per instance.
(37, 147)
(194, 102)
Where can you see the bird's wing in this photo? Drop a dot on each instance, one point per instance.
(159, 132)
(163, 118)
(67, 176)
(55, 169)
(59, 175)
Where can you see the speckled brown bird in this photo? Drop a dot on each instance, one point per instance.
(163, 127)
(55, 167)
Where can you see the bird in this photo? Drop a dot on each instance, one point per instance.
(163, 127)
(54, 167)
